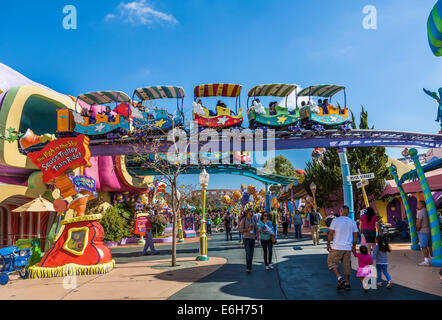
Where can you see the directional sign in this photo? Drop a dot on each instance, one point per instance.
(359, 177)
(362, 183)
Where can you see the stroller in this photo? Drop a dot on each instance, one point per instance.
(403, 229)
(14, 259)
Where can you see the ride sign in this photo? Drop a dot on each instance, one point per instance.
(60, 155)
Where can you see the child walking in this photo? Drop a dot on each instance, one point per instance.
(380, 255)
(364, 260)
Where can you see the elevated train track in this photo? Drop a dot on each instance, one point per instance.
(283, 140)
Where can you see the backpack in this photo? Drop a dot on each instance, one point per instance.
(314, 218)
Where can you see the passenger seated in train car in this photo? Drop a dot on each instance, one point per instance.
(91, 117)
(221, 104)
(84, 112)
(320, 102)
(341, 110)
(303, 104)
(139, 106)
(272, 108)
(110, 116)
(324, 107)
(218, 104)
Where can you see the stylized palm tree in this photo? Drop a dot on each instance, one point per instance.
(437, 97)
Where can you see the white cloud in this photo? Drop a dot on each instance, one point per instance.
(139, 12)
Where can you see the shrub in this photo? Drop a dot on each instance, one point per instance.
(160, 224)
(115, 226)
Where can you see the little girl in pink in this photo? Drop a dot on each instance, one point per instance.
(364, 260)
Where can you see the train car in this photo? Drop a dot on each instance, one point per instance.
(275, 116)
(224, 117)
(155, 119)
(326, 116)
(96, 124)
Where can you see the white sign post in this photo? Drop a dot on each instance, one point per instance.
(358, 177)
(362, 182)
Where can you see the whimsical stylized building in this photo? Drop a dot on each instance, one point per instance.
(26, 104)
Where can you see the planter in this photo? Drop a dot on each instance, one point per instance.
(129, 241)
(162, 240)
(110, 244)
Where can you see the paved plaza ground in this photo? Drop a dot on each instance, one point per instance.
(300, 273)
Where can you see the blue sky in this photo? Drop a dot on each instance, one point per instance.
(247, 42)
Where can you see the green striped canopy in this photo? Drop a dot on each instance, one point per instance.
(104, 97)
(320, 91)
(159, 92)
(274, 90)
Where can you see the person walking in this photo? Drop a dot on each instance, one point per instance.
(266, 232)
(380, 256)
(364, 260)
(423, 233)
(315, 220)
(240, 218)
(248, 229)
(209, 224)
(368, 223)
(228, 226)
(344, 233)
(274, 218)
(217, 222)
(285, 224)
(149, 240)
(297, 221)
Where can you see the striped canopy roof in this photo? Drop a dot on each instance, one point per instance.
(103, 97)
(217, 90)
(320, 91)
(159, 92)
(275, 90)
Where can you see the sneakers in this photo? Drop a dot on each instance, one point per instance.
(271, 266)
(424, 264)
(347, 287)
(156, 253)
(379, 284)
(267, 268)
(341, 283)
(389, 284)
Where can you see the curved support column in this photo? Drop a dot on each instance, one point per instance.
(411, 222)
(346, 185)
(436, 261)
(267, 198)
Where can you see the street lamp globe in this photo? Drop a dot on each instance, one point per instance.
(178, 195)
(313, 187)
(204, 178)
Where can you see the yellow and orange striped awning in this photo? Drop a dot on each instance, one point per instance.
(217, 90)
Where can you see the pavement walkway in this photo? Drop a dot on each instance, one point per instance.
(300, 273)
(152, 280)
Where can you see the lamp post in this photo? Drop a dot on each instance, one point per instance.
(313, 189)
(204, 181)
(180, 226)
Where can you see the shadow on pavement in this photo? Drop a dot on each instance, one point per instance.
(311, 279)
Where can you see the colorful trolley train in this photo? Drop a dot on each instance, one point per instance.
(132, 117)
